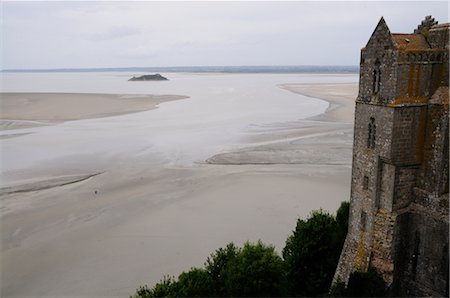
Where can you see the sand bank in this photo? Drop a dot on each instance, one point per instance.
(340, 96)
(144, 218)
(142, 225)
(325, 139)
(21, 110)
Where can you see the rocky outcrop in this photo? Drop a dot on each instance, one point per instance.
(155, 77)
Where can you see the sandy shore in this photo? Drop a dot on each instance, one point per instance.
(325, 139)
(340, 96)
(103, 229)
(20, 110)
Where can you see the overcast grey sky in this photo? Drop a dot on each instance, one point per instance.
(124, 34)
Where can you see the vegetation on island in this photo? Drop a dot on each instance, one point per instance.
(153, 77)
(305, 268)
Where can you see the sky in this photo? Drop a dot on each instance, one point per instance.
(88, 34)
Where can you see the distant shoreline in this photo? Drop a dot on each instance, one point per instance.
(335, 69)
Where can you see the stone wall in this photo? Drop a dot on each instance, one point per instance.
(408, 134)
(379, 54)
(404, 185)
(421, 254)
(382, 234)
(409, 82)
(399, 202)
(433, 176)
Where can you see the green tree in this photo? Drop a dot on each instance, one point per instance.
(256, 270)
(217, 266)
(312, 251)
(310, 259)
(164, 288)
(194, 283)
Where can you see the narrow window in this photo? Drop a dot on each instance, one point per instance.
(376, 77)
(366, 183)
(375, 81)
(372, 130)
(416, 253)
(444, 269)
(363, 220)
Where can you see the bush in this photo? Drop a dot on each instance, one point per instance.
(194, 283)
(312, 251)
(164, 288)
(254, 270)
(217, 267)
(310, 259)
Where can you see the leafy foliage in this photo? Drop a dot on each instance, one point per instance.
(254, 270)
(311, 254)
(165, 288)
(217, 266)
(194, 283)
(309, 260)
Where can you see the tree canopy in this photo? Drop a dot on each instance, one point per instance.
(312, 251)
(306, 267)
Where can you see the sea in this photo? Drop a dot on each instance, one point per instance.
(212, 69)
(71, 242)
(225, 105)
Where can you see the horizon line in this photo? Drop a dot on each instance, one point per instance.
(193, 68)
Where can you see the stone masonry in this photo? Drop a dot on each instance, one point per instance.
(399, 220)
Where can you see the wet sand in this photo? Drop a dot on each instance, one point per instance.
(134, 221)
(21, 110)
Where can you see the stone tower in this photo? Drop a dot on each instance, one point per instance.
(399, 190)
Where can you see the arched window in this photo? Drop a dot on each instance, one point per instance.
(372, 130)
(376, 77)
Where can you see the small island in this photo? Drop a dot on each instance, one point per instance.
(154, 77)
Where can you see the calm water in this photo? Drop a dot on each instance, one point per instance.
(220, 112)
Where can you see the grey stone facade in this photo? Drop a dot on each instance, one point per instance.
(399, 190)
